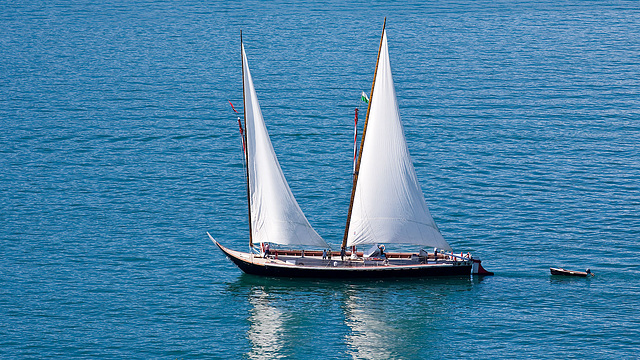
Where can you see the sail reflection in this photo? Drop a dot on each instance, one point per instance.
(401, 319)
(368, 326)
(388, 319)
(266, 330)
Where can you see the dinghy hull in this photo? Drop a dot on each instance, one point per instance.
(565, 272)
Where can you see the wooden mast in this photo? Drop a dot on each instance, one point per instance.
(364, 132)
(246, 149)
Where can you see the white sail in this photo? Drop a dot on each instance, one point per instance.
(276, 216)
(388, 205)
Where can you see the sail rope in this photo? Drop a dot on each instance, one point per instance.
(355, 141)
(364, 99)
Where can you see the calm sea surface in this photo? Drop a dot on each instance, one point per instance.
(119, 150)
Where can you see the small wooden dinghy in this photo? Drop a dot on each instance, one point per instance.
(565, 272)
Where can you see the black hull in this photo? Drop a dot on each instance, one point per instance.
(373, 272)
(360, 273)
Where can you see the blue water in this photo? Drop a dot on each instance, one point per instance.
(118, 151)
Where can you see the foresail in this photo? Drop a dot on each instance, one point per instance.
(276, 216)
(388, 205)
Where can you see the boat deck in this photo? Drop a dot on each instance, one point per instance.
(392, 260)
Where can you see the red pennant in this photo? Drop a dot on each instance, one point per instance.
(234, 109)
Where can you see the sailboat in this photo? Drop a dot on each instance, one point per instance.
(387, 205)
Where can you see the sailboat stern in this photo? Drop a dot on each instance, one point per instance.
(477, 269)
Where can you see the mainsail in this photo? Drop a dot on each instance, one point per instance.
(276, 216)
(388, 204)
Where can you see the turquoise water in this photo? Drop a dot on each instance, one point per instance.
(119, 151)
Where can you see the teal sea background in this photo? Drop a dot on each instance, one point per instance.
(119, 151)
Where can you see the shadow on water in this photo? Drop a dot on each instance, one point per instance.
(559, 279)
(362, 318)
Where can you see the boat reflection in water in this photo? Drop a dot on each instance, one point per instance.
(291, 318)
(368, 336)
(398, 320)
(266, 328)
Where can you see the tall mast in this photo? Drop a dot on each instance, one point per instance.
(246, 150)
(364, 132)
